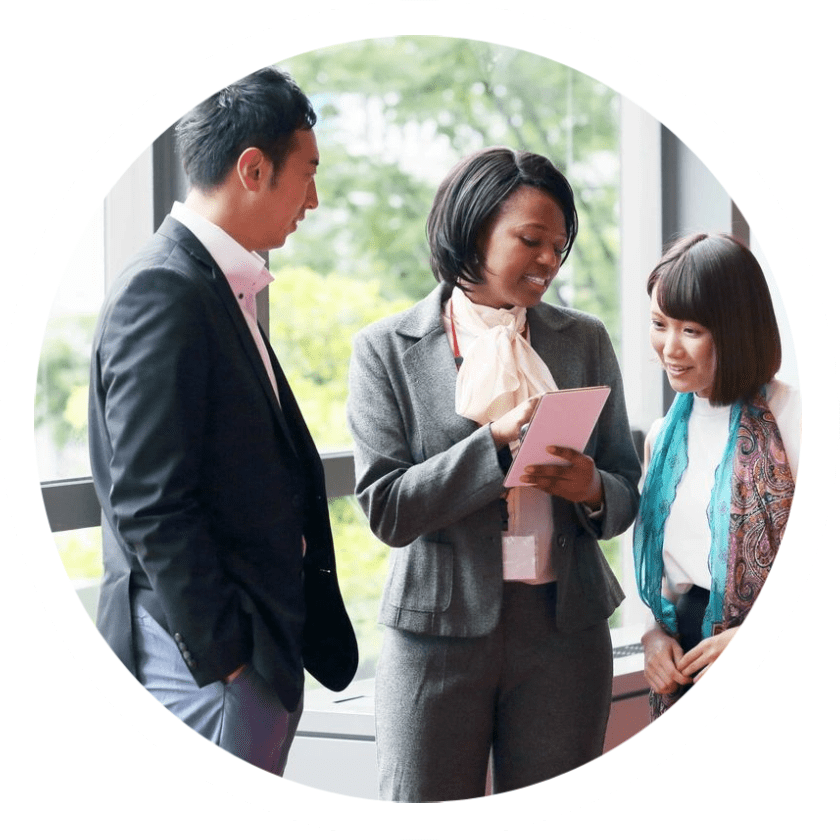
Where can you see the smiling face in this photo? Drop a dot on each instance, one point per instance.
(686, 350)
(522, 250)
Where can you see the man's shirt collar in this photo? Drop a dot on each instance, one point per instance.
(245, 270)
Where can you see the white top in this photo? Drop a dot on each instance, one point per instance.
(526, 544)
(244, 270)
(687, 538)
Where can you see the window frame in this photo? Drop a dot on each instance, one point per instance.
(650, 155)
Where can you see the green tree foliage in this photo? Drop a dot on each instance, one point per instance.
(395, 114)
(61, 396)
(313, 320)
(362, 563)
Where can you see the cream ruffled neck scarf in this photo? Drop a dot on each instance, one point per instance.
(500, 368)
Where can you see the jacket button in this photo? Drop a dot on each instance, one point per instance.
(561, 540)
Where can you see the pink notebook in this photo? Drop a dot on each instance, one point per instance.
(561, 418)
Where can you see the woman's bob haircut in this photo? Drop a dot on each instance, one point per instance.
(715, 281)
(472, 194)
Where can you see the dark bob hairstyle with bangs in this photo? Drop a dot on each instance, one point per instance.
(716, 281)
(472, 194)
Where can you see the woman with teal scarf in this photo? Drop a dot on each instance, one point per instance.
(721, 465)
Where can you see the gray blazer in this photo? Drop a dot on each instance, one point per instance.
(430, 481)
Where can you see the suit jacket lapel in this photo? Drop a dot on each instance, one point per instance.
(431, 371)
(253, 354)
(546, 324)
(174, 230)
(291, 418)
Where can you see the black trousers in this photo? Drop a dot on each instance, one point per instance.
(690, 609)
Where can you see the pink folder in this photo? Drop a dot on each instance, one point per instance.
(561, 418)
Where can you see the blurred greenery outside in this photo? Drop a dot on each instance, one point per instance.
(393, 116)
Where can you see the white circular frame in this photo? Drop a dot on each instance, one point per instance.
(643, 752)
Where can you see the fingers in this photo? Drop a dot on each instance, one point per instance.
(700, 656)
(568, 485)
(573, 463)
(508, 427)
(526, 410)
(663, 677)
(657, 678)
(700, 673)
(569, 458)
(575, 479)
(566, 452)
(696, 661)
(695, 658)
(661, 654)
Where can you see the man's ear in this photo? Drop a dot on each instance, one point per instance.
(253, 169)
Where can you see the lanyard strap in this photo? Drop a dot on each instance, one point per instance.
(455, 350)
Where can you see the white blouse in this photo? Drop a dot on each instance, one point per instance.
(526, 544)
(687, 538)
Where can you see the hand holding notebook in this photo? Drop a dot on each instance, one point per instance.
(562, 418)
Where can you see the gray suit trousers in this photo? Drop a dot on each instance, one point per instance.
(244, 717)
(537, 700)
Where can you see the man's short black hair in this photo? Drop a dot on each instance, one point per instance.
(469, 199)
(262, 110)
(716, 281)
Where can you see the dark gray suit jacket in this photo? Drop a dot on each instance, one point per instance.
(429, 480)
(206, 486)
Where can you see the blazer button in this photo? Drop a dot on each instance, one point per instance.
(561, 540)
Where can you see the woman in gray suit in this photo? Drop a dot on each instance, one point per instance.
(496, 604)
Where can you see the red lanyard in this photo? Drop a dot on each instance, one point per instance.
(455, 350)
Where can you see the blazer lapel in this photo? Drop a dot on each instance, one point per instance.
(174, 230)
(431, 372)
(290, 415)
(546, 324)
(251, 351)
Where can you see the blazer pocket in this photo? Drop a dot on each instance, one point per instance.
(599, 584)
(420, 577)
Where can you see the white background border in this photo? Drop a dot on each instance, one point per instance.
(804, 309)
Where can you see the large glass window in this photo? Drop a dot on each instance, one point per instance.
(61, 396)
(394, 115)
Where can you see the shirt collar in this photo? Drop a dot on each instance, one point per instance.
(244, 270)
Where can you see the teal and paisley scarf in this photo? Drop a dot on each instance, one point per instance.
(747, 512)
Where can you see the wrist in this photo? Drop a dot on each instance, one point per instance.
(499, 438)
(653, 633)
(595, 495)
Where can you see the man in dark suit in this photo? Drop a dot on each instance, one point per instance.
(219, 585)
